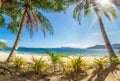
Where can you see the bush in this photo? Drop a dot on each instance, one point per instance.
(19, 61)
(77, 63)
(56, 59)
(38, 65)
(113, 59)
(100, 62)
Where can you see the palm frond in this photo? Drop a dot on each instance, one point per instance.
(50, 6)
(109, 12)
(113, 13)
(87, 8)
(13, 26)
(77, 10)
(37, 22)
(106, 14)
(9, 4)
(30, 21)
(14, 13)
(45, 23)
(2, 21)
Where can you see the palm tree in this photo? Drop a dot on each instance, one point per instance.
(33, 19)
(100, 7)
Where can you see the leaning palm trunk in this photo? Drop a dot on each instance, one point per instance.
(106, 40)
(0, 3)
(15, 47)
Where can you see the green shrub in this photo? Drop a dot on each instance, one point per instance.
(19, 61)
(3, 45)
(113, 59)
(77, 63)
(38, 65)
(56, 59)
(100, 62)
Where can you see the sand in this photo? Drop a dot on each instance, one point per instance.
(111, 76)
(45, 57)
(27, 57)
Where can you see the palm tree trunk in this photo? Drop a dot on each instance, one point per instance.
(0, 3)
(106, 40)
(15, 47)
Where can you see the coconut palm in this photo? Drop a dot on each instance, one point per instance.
(100, 7)
(33, 19)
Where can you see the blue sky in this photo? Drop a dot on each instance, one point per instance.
(67, 32)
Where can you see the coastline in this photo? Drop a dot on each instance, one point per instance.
(68, 51)
(45, 57)
(27, 57)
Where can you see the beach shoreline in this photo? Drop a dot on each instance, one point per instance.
(45, 57)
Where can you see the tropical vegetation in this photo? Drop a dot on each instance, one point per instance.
(32, 18)
(3, 45)
(38, 65)
(28, 13)
(56, 59)
(19, 62)
(77, 64)
(100, 63)
(76, 67)
(101, 7)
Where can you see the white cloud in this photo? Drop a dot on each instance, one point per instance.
(3, 40)
(79, 45)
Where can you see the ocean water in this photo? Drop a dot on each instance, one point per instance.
(86, 52)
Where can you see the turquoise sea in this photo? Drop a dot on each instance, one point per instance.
(64, 50)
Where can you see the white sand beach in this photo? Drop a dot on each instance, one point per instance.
(28, 57)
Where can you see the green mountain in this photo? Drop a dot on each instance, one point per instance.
(114, 46)
(3, 45)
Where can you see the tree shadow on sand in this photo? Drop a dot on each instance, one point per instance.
(102, 74)
(72, 76)
(94, 73)
(31, 76)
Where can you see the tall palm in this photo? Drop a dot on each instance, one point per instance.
(33, 19)
(100, 8)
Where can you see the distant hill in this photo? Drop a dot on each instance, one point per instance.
(115, 46)
(3, 45)
(23, 47)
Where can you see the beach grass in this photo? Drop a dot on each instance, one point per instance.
(57, 67)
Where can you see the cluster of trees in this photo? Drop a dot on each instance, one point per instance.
(3, 45)
(27, 13)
